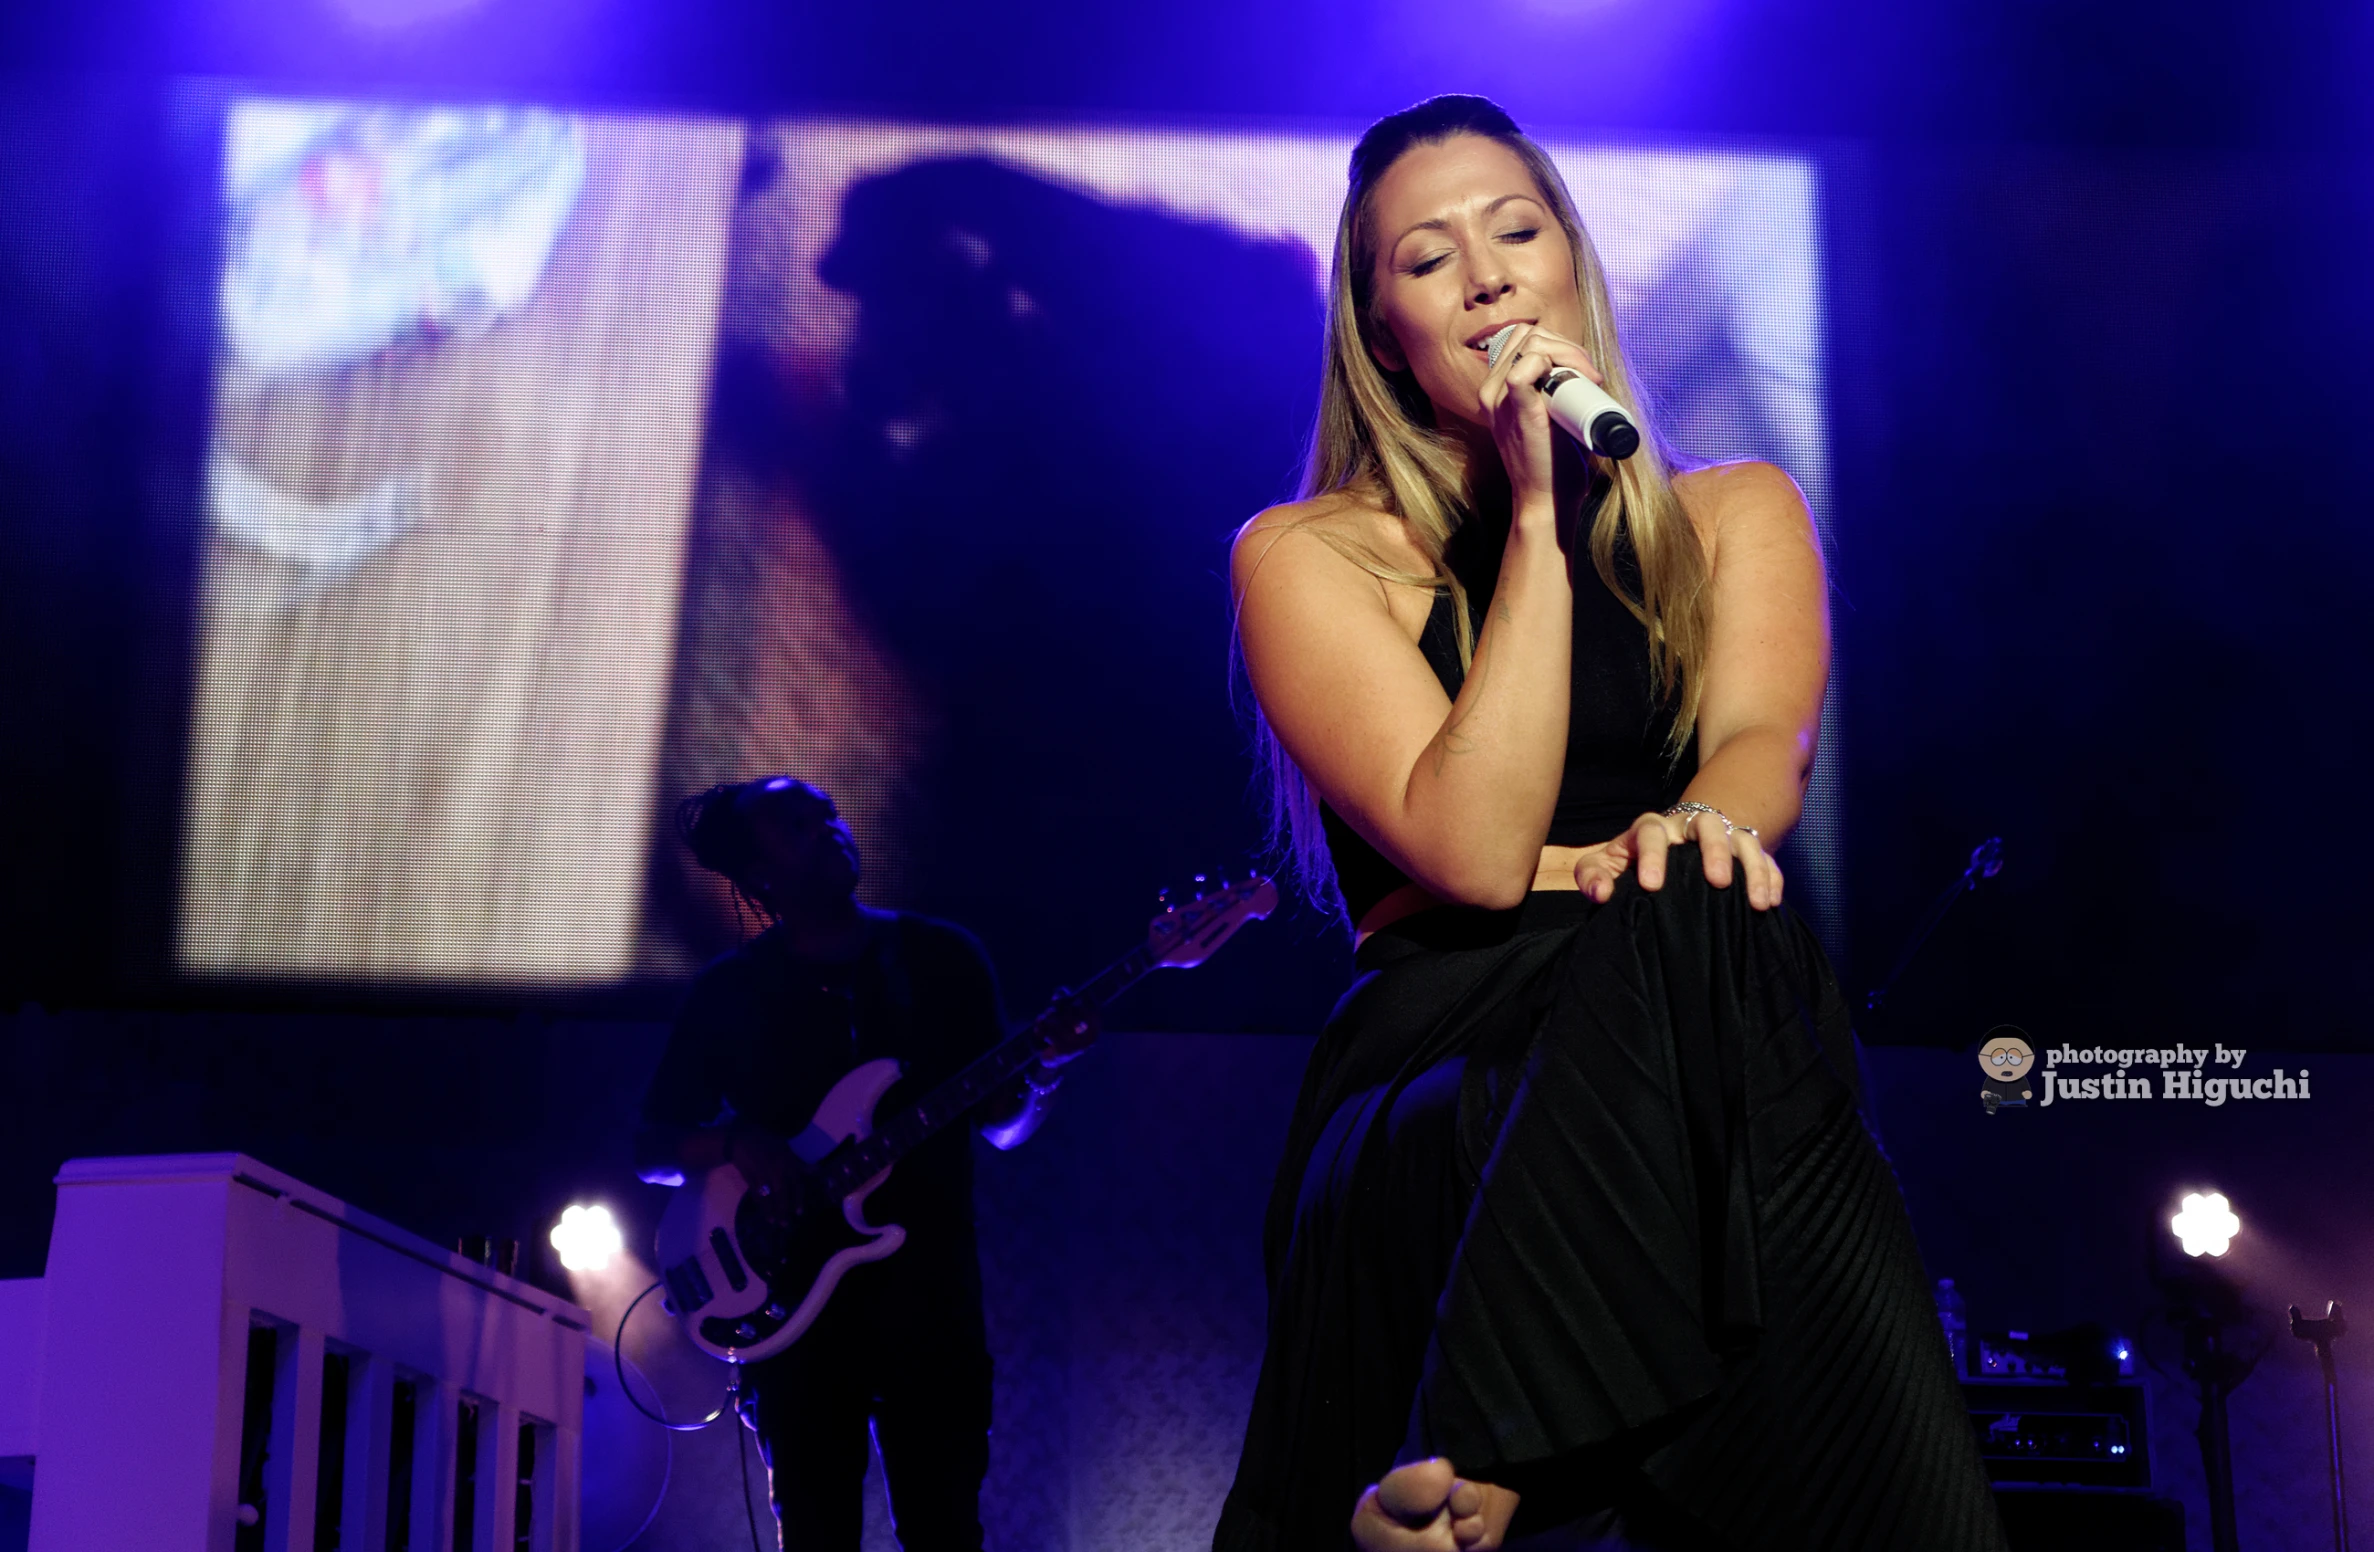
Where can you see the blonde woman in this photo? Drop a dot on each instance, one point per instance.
(1579, 1239)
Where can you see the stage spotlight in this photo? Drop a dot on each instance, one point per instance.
(587, 1237)
(2205, 1225)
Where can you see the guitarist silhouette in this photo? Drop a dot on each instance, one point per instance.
(764, 1035)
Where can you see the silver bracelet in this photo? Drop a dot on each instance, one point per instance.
(1690, 806)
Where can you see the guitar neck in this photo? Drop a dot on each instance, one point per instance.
(894, 1137)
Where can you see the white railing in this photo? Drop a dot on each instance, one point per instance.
(221, 1358)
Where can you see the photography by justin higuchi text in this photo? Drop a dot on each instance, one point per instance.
(2212, 1075)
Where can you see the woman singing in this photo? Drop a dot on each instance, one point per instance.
(1579, 1239)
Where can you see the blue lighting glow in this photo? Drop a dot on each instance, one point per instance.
(391, 15)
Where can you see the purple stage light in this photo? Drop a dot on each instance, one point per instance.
(2205, 1225)
(587, 1238)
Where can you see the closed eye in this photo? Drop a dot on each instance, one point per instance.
(1429, 264)
(1521, 235)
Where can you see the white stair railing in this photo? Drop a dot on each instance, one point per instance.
(223, 1359)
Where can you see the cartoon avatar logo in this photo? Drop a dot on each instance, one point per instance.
(2006, 1060)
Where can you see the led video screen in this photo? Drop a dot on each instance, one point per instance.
(562, 465)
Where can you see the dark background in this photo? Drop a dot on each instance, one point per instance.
(2102, 343)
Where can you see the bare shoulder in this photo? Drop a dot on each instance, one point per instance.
(1313, 540)
(1744, 504)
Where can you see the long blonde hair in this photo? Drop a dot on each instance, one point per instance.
(1375, 435)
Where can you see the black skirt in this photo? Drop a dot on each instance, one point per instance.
(1579, 1197)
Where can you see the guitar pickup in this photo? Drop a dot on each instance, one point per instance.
(723, 1244)
(688, 1286)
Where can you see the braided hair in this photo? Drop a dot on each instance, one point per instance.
(715, 828)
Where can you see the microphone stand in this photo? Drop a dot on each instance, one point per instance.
(2321, 1335)
(1985, 862)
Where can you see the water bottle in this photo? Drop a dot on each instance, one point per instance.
(1954, 1315)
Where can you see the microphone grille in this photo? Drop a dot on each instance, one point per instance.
(1496, 344)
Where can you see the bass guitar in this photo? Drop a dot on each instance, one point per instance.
(747, 1276)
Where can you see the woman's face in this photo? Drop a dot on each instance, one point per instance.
(1466, 244)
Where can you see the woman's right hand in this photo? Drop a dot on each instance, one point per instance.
(1521, 424)
(1725, 853)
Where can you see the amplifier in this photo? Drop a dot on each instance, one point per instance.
(2087, 1435)
(2081, 1355)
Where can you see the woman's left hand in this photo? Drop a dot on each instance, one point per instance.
(1726, 855)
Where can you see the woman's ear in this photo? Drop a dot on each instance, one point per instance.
(1385, 350)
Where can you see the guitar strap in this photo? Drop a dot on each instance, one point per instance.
(882, 1014)
(890, 956)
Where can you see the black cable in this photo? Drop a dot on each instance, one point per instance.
(618, 1361)
(733, 1392)
(1985, 862)
(742, 1454)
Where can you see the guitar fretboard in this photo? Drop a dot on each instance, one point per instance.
(990, 1074)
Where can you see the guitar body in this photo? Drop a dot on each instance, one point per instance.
(745, 1285)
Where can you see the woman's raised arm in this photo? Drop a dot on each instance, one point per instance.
(1458, 794)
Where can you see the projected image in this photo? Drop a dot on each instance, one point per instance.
(458, 411)
(565, 466)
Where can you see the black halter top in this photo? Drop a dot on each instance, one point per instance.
(1616, 723)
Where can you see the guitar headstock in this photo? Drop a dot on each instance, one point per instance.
(1189, 931)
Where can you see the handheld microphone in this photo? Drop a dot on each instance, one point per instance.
(1580, 406)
